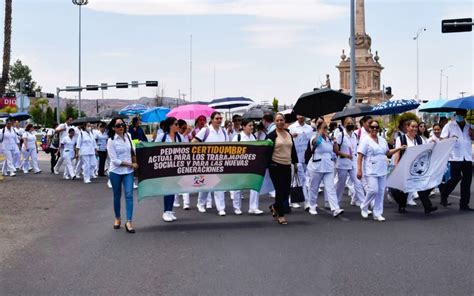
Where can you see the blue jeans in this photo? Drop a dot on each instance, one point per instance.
(169, 201)
(127, 181)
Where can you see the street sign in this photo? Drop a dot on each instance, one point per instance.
(151, 83)
(121, 85)
(73, 88)
(135, 84)
(22, 102)
(456, 25)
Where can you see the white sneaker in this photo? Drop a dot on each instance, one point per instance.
(56, 171)
(272, 194)
(94, 177)
(109, 184)
(221, 213)
(167, 217)
(415, 195)
(12, 174)
(87, 181)
(25, 172)
(209, 205)
(320, 190)
(135, 186)
(237, 212)
(364, 214)
(313, 211)
(186, 207)
(176, 205)
(411, 203)
(336, 213)
(201, 208)
(369, 212)
(256, 212)
(173, 216)
(295, 205)
(67, 178)
(379, 218)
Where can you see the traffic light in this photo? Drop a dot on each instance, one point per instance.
(121, 85)
(92, 87)
(388, 91)
(151, 84)
(103, 86)
(456, 25)
(134, 84)
(50, 96)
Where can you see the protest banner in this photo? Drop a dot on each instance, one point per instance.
(422, 167)
(166, 169)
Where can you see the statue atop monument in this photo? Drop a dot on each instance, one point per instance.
(328, 82)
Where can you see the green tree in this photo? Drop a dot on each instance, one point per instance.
(7, 36)
(70, 111)
(37, 111)
(275, 105)
(49, 117)
(18, 73)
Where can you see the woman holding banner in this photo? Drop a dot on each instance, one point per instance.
(372, 165)
(246, 135)
(212, 134)
(171, 135)
(283, 156)
(412, 138)
(121, 153)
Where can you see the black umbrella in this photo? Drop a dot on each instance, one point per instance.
(353, 111)
(108, 113)
(85, 120)
(20, 116)
(256, 113)
(321, 102)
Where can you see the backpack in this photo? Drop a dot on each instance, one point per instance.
(403, 141)
(342, 138)
(208, 131)
(309, 151)
(177, 138)
(3, 135)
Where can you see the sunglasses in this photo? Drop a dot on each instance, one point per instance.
(218, 118)
(119, 125)
(374, 127)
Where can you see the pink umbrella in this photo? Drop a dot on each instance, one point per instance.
(192, 111)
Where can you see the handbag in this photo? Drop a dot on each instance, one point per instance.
(296, 190)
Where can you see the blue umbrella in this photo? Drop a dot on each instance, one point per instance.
(432, 106)
(157, 114)
(394, 107)
(466, 103)
(133, 109)
(20, 116)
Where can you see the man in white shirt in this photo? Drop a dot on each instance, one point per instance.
(301, 133)
(460, 160)
(214, 134)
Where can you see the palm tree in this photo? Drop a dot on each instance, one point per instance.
(6, 45)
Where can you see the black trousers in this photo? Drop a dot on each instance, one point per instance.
(281, 179)
(401, 198)
(460, 171)
(102, 159)
(54, 158)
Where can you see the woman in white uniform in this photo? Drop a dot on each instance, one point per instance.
(68, 146)
(247, 136)
(170, 135)
(372, 165)
(9, 139)
(102, 137)
(185, 134)
(87, 151)
(346, 164)
(212, 134)
(321, 168)
(30, 150)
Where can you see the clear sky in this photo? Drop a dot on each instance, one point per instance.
(259, 48)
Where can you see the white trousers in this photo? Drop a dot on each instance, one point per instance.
(17, 158)
(69, 170)
(33, 155)
(219, 199)
(185, 199)
(330, 192)
(8, 165)
(87, 166)
(357, 184)
(79, 165)
(253, 200)
(375, 191)
(61, 158)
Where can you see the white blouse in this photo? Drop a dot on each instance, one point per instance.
(120, 150)
(375, 156)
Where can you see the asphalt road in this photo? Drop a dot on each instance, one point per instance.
(76, 251)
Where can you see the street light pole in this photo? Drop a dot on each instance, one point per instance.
(441, 81)
(417, 37)
(353, 62)
(80, 3)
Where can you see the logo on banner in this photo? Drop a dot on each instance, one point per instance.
(421, 165)
(199, 181)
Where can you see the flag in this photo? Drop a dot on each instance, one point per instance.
(422, 167)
